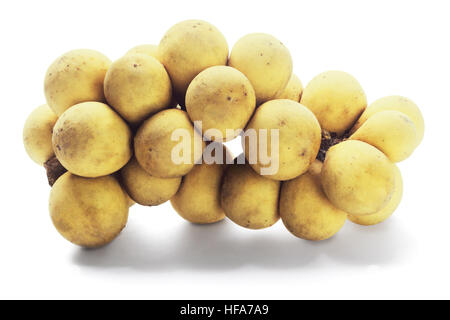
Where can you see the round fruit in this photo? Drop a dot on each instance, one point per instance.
(157, 144)
(198, 199)
(396, 103)
(337, 100)
(188, 48)
(265, 61)
(136, 86)
(388, 210)
(293, 90)
(391, 132)
(148, 49)
(88, 212)
(358, 178)
(305, 209)
(91, 140)
(249, 199)
(299, 138)
(76, 76)
(144, 188)
(130, 201)
(221, 98)
(37, 134)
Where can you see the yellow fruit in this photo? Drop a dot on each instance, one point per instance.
(198, 199)
(358, 178)
(130, 201)
(391, 132)
(265, 61)
(144, 188)
(299, 139)
(76, 76)
(293, 90)
(305, 209)
(388, 210)
(148, 49)
(37, 134)
(91, 140)
(88, 212)
(396, 103)
(337, 100)
(156, 143)
(221, 98)
(249, 199)
(137, 86)
(188, 48)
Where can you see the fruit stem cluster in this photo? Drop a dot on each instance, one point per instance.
(329, 139)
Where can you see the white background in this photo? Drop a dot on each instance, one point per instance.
(391, 47)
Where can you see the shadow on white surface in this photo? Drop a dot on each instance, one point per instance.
(220, 247)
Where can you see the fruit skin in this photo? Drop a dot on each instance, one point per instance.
(37, 134)
(88, 212)
(130, 201)
(248, 199)
(336, 98)
(293, 90)
(153, 144)
(388, 210)
(222, 98)
(305, 209)
(299, 137)
(198, 199)
(144, 188)
(76, 76)
(357, 177)
(397, 103)
(148, 49)
(188, 48)
(136, 86)
(265, 61)
(91, 140)
(392, 132)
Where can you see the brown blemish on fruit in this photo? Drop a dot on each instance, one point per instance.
(303, 153)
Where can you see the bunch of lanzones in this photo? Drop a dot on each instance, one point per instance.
(151, 126)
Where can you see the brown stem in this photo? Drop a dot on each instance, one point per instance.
(329, 139)
(54, 170)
